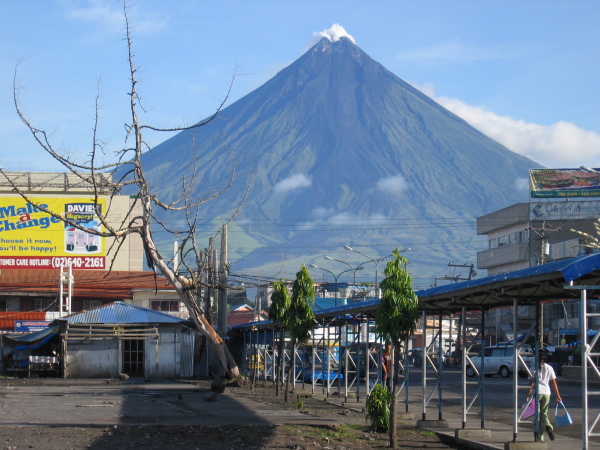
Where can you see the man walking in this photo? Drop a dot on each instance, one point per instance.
(546, 377)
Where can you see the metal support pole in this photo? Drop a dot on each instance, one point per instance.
(346, 350)
(483, 344)
(537, 433)
(440, 367)
(406, 371)
(463, 369)
(424, 369)
(367, 359)
(585, 351)
(516, 372)
(327, 364)
(359, 349)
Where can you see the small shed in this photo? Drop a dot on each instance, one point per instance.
(120, 338)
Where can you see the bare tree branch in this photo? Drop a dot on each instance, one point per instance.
(131, 175)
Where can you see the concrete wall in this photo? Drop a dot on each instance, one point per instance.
(94, 359)
(102, 358)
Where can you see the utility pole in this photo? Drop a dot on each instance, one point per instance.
(208, 292)
(222, 291)
(543, 233)
(471, 268)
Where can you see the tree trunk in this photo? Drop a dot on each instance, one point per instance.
(395, 393)
(188, 297)
(255, 364)
(280, 356)
(290, 373)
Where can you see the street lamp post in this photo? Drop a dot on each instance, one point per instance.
(314, 266)
(353, 269)
(375, 260)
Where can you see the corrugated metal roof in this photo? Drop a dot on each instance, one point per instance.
(96, 283)
(121, 313)
(544, 282)
(8, 318)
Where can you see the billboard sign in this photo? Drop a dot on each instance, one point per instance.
(564, 210)
(31, 238)
(31, 326)
(564, 182)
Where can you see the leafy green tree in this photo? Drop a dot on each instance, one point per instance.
(396, 320)
(280, 305)
(299, 319)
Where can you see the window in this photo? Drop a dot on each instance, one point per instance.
(45, 304)
(494, 243)
(165, 305)
(3, 304)
(497, 352)
(89, 304)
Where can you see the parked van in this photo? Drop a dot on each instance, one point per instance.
(499, 360)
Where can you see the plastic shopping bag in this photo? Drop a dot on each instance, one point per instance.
(563, 420)
(529, 411)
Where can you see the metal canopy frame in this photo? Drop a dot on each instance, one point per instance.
(572, 279)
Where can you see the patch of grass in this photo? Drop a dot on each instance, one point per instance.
(428, 433)
(338, 432)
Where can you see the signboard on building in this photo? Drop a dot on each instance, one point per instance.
(564, 183)
(564, 210)
(33, 239)
(31, 326)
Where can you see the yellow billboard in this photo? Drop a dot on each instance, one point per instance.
(31, 238)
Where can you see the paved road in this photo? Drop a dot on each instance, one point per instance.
(498, 400)
(53, 402)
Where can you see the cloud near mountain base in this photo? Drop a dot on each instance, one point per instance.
(297, 181)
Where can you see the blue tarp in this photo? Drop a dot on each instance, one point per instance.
(32, 340)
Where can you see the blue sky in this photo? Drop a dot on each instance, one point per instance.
(524, 73)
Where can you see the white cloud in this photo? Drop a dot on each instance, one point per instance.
(333, 34)
(297, 181)
(395, 184)
(98, 11)
(453, 50)
(329, 218)
(522, 184)
(110, 16)
(561, 145)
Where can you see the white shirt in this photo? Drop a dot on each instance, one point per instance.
(546, 374)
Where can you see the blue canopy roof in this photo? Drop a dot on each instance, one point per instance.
(544, 282)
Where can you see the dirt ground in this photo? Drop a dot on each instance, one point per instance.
(352, 432)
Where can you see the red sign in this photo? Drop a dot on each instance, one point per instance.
(52, 262)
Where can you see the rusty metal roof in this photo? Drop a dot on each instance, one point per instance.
(87, 283)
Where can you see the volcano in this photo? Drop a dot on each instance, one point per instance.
(340, 151)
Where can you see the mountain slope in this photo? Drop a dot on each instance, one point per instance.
(375, 163)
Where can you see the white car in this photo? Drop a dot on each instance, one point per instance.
(499, 360)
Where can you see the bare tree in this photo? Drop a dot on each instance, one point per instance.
(588, 239)
(128, 173)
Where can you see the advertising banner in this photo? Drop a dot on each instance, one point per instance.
(564, 210)
(30, 326)
(564, 183)
(31, 238)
